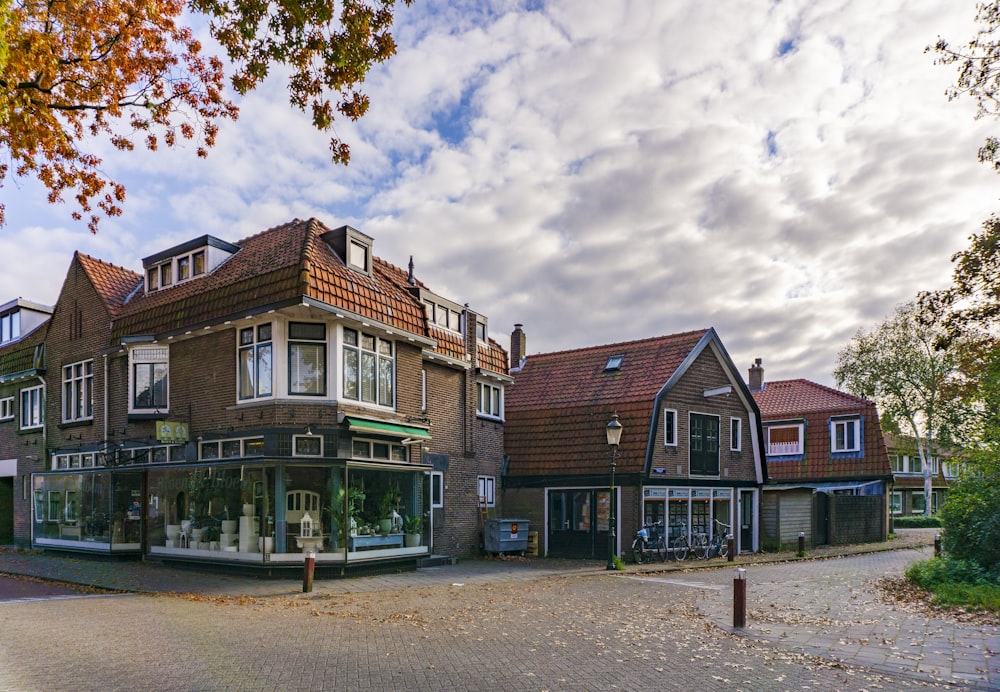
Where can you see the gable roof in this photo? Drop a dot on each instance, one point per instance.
(560, 403)
(815, 404)
(113, 284)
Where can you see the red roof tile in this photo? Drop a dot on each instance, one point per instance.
(114, 284)
(560, 403)
(815, 404)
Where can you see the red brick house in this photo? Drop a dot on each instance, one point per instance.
(23, 326)
(245, 402)
(828, 472)
(909, 496)
(690, 453)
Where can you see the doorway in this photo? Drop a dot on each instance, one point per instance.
(578, 523)
(746, 521)
(6, 510)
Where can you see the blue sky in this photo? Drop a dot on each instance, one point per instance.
(786, 173)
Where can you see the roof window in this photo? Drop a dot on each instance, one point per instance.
(614, 362)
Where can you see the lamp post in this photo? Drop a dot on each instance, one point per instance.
(614, 431)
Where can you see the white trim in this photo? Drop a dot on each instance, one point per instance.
(853, 422)
(673, 428)
(738, 423)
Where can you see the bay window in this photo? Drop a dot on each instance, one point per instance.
(369, 368)
(255, 360)
(307, 358)
(149, 378)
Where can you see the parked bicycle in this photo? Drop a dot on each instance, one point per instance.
(719, 546)
(649, 543)
(679, 545)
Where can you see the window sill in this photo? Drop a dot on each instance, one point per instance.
(75, 423)
(137, 416)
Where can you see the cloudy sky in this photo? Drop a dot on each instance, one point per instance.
(785, 172)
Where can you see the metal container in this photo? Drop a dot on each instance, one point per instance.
(506, 536)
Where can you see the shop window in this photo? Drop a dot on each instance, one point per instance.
(307, 445)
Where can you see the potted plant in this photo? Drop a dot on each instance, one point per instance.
(412, 527)
(210, 535)
(386, 507)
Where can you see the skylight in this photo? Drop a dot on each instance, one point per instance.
(614, 362)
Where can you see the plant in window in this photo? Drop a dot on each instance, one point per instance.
(412, 526)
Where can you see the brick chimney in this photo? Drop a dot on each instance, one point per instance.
(756, 376)
(518, 345)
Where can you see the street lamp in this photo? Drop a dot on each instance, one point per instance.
(614, 431)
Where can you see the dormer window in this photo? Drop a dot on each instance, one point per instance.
(615, 362)
(10, 326)
(186, 262)
(448, 317)
(357, 255)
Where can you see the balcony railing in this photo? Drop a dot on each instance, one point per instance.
(775, 449)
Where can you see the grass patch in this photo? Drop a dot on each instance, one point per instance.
(957, 583)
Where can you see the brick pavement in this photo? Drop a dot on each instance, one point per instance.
(823, 608)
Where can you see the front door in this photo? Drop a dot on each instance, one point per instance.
(746, 521)
(578, 523)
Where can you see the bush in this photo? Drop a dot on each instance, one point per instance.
(957, 583)
(916, 522)
(971, 517)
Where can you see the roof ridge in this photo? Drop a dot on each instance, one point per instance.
(829, 389)
(634, 342)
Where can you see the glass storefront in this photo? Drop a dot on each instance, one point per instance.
(689, 510)
(276, 512)
(99, 510)
(227, 510)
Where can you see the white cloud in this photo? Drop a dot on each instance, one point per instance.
(605, 171)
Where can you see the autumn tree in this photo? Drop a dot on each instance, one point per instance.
(132, 71)
(898, 365)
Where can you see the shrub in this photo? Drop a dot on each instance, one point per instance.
(916, 522)
(929, 574)
(971, 517)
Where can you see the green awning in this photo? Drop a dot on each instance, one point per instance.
(376, 427)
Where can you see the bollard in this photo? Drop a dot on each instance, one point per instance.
(740, 598)
(731, 543)
(937, 545)
(802, 543)
(310, 567)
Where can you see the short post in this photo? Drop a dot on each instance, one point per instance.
(802, 543)
(310, 568)
(937, 545)
(740, 598)
(731, 546)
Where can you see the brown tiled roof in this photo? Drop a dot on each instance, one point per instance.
(114, 284)
(816, 403)
(277, 265)
(18, 357)
(558, 407)
(493, 357)
(448, 342)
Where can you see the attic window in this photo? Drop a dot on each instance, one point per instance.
(614, 362)
(357, 255)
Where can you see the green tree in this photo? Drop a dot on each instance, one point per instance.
(899, 366)
(132, 71)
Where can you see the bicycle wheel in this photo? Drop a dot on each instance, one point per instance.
(699, 546)
(660, 549)
(638, 551)
(724, 547)
(680, 548)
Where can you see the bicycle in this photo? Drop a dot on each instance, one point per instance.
(699, 545)
(719, 545)
(679, 545)
(649, 543)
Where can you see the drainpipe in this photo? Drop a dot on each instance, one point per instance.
(45, 424)
(105, 439)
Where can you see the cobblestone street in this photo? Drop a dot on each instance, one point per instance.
(578, 631)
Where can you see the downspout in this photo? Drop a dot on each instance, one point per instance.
(105, 438)
(45, 425)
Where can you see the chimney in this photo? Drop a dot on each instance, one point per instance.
(756, 376)
(518, 345)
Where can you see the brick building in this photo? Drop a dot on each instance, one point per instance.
(828, 470)
(247, 401)
(690, 454)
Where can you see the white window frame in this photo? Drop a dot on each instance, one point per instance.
(437, 482)
(913, 504)
(785, 451)
(423, 391)
(32, 414)
(305, 342)
(669, 427)
(10, 326)
(486, 486)
(845, 423)
(78, 391)
(896, 503)
(255, 347)
(142, 356)
(489, 400)
(735, 434)
(381, 397)
(7, 408)
(393, 450)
